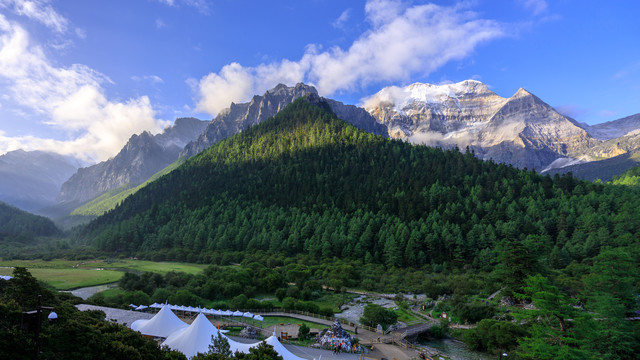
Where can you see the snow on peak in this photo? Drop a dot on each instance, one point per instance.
(400, 97)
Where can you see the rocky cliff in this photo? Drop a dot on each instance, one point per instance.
(142, 156)
(239, 117)
(615, 129)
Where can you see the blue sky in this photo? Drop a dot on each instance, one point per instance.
(79, 77)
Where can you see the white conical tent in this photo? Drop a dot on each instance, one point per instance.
(280, 349)
(162, 324)
(194, 339)
(197, 338)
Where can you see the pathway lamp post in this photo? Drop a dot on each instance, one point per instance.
(32, 320)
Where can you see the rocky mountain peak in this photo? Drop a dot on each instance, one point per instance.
(284, 90)
(522, 92)
(261, 107)
(143, 155)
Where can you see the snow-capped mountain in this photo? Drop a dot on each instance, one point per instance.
(521, 130)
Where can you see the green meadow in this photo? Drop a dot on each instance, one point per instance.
(67, 279)
(69, 274)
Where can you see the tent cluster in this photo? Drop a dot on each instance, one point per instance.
(6, 277)
(196, 338)
(196, 310)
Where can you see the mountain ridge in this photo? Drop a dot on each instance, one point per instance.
(141, 157)
(239, 117)
(31, 180)
(306, 182)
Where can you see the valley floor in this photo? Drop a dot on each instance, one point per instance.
(380, 350)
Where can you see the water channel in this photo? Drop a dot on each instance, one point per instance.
(456, 350)
(86, 292)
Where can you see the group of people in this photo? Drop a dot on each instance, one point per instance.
(337, 348)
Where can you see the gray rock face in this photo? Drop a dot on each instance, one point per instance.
(521, 130)
(142, 156)
(616, 128)
(357, 117)
(604, 169)
(31, 180)
(239, 117)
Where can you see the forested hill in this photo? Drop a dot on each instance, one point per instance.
(307, 182)
(15, 223)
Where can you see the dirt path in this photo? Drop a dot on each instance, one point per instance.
(382, 344)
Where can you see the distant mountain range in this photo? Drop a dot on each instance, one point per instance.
(31, 180)
(521, 130)
(615, 129)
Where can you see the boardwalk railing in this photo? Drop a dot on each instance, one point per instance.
(269, 312)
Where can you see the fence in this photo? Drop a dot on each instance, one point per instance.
(266, 312)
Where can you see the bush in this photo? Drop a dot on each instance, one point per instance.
(473, 311)
(303, 332)
(376, 314)
(437, 332)
(494, 336)
(281, 294)
(288, 303)
(252, 304)
(137, 297)
(326, 310)
(239, 302)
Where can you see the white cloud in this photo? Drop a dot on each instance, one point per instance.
(160, 24)
(71, 99)
(342, 19)
(217, 91)
(151, 78)
(537, 7)
(380, 12)
(81, 33)
(38, 10)
(402, 41)
(201, 5)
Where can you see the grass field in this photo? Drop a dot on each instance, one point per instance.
(407, 316)
(110, 199)
(68, 274)
(117, 264)
(67, 279)
(277, 320)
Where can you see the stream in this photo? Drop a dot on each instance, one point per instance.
(86, 292)
(456, 350)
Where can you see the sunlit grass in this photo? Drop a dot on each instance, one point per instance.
(277, 320)
(70, 274)
(66, 279)
(117, 264)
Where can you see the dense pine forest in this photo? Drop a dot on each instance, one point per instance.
(305, 182)
(22, 232)
(18, 223)
(305, 200)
